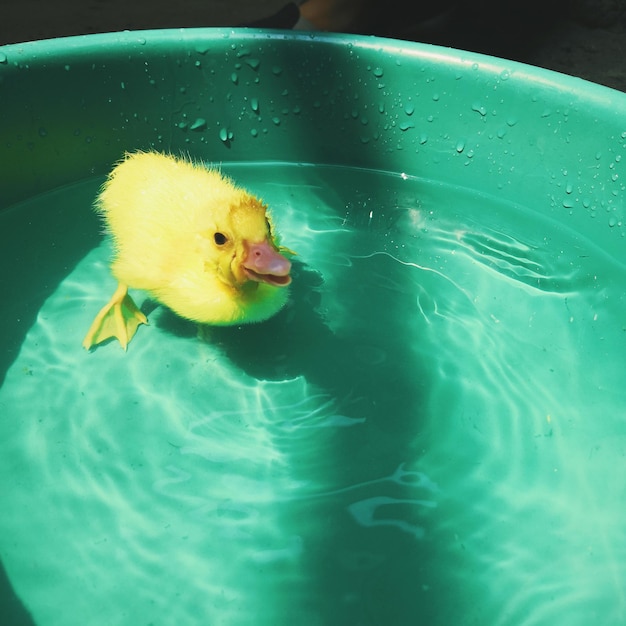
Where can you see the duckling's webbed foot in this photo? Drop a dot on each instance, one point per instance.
(119, 318)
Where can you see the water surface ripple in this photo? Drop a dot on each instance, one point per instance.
(431, 432)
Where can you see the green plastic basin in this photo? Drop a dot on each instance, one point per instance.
(431, 432)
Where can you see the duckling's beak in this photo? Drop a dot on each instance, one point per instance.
(264, 264)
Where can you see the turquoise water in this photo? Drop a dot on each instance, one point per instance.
(432, 432)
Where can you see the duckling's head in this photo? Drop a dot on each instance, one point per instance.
(242, 248)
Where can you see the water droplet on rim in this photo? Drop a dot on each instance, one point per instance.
(198, 124)
(479, 108)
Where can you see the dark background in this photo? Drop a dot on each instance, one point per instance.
(585, 38)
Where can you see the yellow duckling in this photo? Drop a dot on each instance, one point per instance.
(193, 241)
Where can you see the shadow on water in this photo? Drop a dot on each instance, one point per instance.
(12, 611)
(365, 556)
(365, 553)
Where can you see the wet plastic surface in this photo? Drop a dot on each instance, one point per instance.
(75, 104)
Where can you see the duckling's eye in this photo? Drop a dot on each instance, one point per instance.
(269, 227)
(220, 239)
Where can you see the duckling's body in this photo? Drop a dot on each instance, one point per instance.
(191, 239)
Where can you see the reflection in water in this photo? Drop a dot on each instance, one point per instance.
(428, 433)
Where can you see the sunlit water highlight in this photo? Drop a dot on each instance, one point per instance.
(432, 432)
